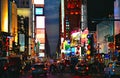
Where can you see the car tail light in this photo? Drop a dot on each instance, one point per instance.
(87, 68)
(33, 68)
(45, 69)
(76, 68)
(5, 68)
(82, 64)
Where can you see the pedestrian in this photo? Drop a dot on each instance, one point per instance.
(108, 71)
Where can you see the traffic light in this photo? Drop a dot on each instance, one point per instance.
(88, 57)
(89, 38)
(89, 44)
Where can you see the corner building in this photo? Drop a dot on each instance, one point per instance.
(70, 24)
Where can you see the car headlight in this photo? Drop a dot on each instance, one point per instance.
(113, 70)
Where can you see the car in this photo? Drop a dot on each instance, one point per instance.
(82, 68)
(10, 67)
(39, 69)
(112, 69)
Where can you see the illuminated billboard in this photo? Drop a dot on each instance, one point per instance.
(40, 21)
(42, 46)
(40, 35)
(41, 54)
(38, 1)
(117, 16)
(4, 15)
(22, 42)
(39, 11)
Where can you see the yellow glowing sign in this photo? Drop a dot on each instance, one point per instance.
(4, 15)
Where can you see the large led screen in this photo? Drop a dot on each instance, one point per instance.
(40, 35)
(38, 1)
(40, 21)
(22, 42)
(39, 11)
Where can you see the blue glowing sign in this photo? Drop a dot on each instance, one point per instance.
(39, 11)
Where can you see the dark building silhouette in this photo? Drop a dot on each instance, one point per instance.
(47, 46)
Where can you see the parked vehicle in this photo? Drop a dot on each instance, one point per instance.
(82, 68)
(39, 69)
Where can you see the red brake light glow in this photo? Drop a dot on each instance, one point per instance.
(5, 68)
(87, 68)
(45, 68)
(33, 68)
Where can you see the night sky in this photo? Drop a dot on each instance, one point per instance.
(98, 9)
(52, 22)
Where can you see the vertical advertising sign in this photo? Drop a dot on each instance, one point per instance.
(117, 16)
(40, 35)
(4, 15)
(40, 31)
(22, 42)
(40, 21)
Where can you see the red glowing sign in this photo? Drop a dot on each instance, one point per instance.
(40, 35)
